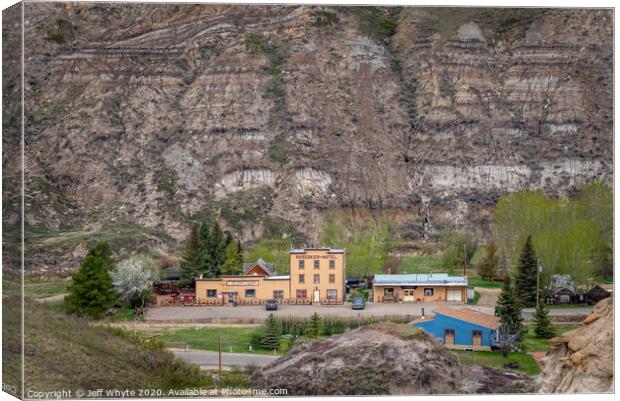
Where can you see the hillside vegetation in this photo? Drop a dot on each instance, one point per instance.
(64, 352)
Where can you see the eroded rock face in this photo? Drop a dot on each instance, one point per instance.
(581, 361)
(382, 359)
(154, 113)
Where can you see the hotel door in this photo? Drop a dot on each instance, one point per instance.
(316, 296)
(448, 336)
(231, 297)
(409, 296)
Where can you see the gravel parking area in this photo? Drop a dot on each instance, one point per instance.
(250, 314)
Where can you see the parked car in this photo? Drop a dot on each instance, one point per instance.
(271, 304)
(358, 302)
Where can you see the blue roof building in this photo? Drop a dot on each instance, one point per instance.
(461, 328)
(432, 287)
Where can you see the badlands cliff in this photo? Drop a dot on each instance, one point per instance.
(140, 118)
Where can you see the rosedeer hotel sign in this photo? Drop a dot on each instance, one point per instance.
(315, 257)
(242, 283)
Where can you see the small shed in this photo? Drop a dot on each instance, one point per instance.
(461, 328)
(564, 296)
(596, 294)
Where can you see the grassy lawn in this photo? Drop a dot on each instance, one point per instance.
(46, 289)
(421, 264)
(569, 306)
(531, 343)
(526, 362)
(234, 339)
(490, 359)
(478, 282)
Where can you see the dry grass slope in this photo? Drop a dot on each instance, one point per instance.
(64, 352)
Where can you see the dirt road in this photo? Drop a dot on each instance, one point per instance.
(488, 296)
(257, 314)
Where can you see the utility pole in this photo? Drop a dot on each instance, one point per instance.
(219, 357)
(538, 271)
(465, 261)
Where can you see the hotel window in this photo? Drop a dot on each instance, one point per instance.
(302, 264)
(316, 264)
(332, 264)
(388, 292)
(211, 293)
(332, 278)
(332, 294)
(250, 293)
(278, 294)
(302, 279)
(317, 278)
(428, 292)
(302, 294)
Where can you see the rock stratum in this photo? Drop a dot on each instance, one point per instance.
(140, 118)
(581, 361)
(382, 359)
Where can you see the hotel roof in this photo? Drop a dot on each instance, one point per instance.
(304, 250)
(419, 279)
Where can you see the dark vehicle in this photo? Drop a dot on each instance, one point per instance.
(271, 304)
(358, 302)
(351, 283)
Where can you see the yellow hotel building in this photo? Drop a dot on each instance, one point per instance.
(317, 275)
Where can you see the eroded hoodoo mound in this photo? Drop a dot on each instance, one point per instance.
(581, 360)
(381, 359)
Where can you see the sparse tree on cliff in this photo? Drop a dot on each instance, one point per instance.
(191, 259)
(91, 291)
(525, 281)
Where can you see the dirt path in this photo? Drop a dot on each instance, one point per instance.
(488, 296)
(55, 298)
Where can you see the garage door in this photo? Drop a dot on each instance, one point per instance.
(454, 296)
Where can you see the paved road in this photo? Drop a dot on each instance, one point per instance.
(209, 359)
(257, 314)
(577, 311)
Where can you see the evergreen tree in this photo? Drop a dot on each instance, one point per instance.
(542, 322)
(231, 263)
(271, 339)
(488, 266)
(240, 252)
(314, 328)
(191, 258)
(91, 291)
(509, 310)
(215, 251)
(206, 266)
(525, 282)
(103, 250)
(228, 238)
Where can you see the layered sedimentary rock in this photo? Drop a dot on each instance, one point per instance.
(581, 361)
(153, 115)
